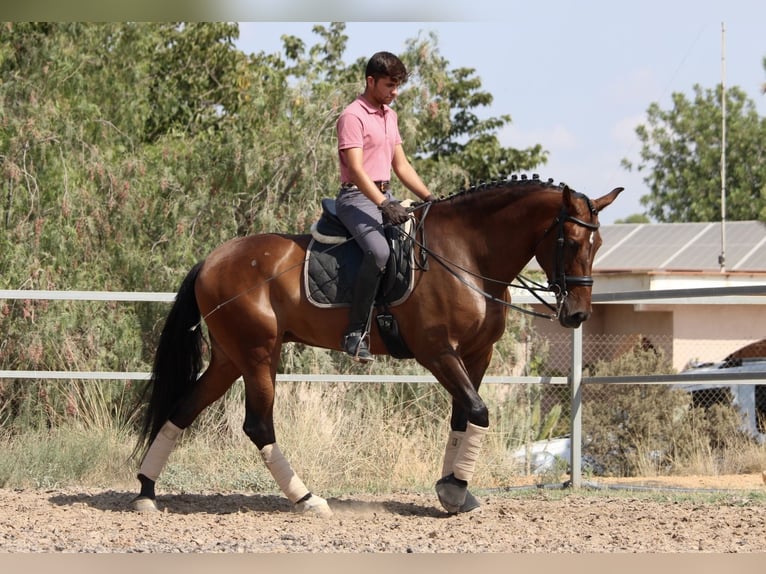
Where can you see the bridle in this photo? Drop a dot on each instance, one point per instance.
(561, 281)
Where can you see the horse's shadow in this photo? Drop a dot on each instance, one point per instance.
(114, 501)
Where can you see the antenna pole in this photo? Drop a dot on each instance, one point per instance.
(722, 256)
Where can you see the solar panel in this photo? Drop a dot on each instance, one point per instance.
(681, 247)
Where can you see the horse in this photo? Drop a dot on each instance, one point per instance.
(250, 295)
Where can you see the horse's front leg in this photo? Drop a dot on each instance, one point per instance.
(259, 427)
(460, 457)
(458, 426)
(468, 426)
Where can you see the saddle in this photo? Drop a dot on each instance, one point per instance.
(332, 262)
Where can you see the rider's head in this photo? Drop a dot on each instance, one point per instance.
(383, 64)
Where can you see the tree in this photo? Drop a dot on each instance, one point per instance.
(634, 218)
(681, 156)
(130, 150)
(763, 86)
(189, 82)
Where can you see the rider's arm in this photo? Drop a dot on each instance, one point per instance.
(407, 174)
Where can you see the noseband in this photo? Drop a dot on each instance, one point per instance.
(561, 281)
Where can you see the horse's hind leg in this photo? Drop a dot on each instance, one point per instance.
(212, 384)
(259, 427)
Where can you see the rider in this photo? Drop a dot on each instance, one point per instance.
(369, 145)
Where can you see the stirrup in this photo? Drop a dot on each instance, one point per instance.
(355, 345)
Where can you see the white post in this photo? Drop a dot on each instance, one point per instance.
(575, 378)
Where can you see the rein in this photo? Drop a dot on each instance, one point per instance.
(560, 280)
(558, 286)
(525, 283)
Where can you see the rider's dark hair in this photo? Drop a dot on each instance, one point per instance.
(386, 64)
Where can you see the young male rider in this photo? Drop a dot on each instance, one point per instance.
(369, 146)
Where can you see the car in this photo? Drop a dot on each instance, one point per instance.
(748, 398)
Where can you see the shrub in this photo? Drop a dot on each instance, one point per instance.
(647, 429)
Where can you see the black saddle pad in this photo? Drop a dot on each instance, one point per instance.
(332, 263)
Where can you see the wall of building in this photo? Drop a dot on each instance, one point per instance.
(711, 332)
(684, 332)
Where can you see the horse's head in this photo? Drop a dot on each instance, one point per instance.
(567, 251)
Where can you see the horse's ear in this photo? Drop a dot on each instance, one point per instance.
(607, 199)
(567, 194)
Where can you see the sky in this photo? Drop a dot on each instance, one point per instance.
(575, 76)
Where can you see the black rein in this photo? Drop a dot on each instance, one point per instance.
(560, 281)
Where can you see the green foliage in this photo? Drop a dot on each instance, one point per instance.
(635, 218)
(681, 156)
(642, 358)
(129, 150)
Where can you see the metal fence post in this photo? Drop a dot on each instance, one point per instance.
(575, 380)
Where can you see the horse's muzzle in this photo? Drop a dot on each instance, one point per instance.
(573, 320)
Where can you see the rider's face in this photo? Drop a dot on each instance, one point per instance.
(382, 90)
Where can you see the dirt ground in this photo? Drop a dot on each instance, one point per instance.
(515, 520)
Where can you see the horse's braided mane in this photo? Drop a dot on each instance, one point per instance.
(514, 181)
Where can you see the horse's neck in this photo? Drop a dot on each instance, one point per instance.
(499, 233)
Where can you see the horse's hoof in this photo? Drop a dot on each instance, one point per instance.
(470, 504)
(314, 505)
(451, 493)
(144, 504)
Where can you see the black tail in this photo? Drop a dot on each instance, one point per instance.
(177, 363)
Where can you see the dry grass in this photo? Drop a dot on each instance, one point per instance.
(339, 438)
(65, 456)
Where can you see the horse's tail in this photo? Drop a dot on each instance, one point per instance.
(177, 362)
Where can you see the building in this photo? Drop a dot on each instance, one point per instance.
(675, 256)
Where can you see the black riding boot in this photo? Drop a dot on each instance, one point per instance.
(363, 298)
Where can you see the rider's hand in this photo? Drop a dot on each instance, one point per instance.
(393, 212)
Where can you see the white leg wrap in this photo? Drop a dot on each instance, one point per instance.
(283, 473)
(159, 451)
(468, 452)
(450, 452)
(314, 505)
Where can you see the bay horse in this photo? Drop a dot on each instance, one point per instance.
(250, 294)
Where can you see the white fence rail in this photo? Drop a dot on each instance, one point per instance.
(751, 294)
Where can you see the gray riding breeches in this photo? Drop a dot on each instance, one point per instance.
(363, 219)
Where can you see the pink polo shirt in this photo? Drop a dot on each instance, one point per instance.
(376, 131)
